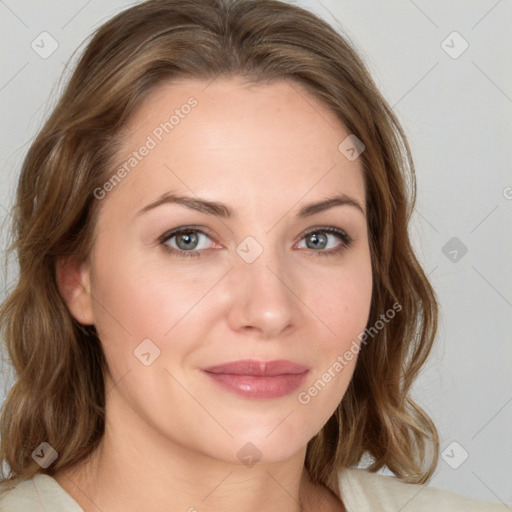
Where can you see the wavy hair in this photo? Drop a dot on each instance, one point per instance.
(58, 395)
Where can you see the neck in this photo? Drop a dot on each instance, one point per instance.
(136, 468)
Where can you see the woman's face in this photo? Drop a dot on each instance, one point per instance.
(263, 270)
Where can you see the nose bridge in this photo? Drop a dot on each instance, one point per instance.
(263, 299)
(266, 275)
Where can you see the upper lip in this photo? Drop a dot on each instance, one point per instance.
(258, 368)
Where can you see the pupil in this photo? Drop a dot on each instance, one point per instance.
(186, 240)
(315, 241)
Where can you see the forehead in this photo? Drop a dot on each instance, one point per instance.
(230, 138)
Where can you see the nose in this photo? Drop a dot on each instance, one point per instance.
(263, 298)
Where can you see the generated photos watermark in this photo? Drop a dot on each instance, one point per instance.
(152, 140)
(304, 397)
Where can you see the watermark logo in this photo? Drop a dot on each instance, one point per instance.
(454, 45)
(249, 455)
(146, 352)
(454, 455)
(44, 455)
(351, 147)
(249, 249)
(44, 45)
(454, 249)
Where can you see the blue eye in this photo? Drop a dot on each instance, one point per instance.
(326, 240)
(189, 241)
(185, 241)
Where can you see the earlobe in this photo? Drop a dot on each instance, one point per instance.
(74, 283)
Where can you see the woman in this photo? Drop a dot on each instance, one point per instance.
(218, 306)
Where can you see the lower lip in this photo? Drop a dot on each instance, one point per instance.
(266, 387)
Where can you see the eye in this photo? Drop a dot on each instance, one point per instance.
(185, 241)
(325, 241)
(189, 241)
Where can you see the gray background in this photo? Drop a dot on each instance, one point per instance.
(456, 110)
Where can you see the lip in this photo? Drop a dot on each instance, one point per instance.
(258, 379)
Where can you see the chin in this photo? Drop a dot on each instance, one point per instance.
(262, 445)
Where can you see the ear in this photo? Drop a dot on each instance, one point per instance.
(74, 283)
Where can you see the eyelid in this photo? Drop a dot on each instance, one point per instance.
(327, 229)
(184, 229)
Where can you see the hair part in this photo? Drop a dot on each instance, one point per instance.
(59, 394)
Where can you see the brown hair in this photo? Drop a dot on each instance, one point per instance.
(58, 396)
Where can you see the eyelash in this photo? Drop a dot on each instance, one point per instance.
(342, 235)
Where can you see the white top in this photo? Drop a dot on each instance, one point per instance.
(361, 490)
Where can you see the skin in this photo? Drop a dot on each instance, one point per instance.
(172, 434)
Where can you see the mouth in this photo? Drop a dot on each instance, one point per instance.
(258, 379)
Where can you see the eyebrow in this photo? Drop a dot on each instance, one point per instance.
(221, 210)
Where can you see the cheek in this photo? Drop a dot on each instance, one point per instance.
(136, 298)
(342, 302)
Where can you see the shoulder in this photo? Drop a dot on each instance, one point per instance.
(362, 490)
(41, 493)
